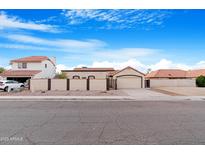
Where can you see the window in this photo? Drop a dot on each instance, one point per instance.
(76, 77)
(46, 66)
(22, 65)
(19, 65)
(9, 82)
(83, 77)
(91, 77)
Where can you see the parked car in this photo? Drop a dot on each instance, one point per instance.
(7, 85)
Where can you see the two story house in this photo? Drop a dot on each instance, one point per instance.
(31, 67)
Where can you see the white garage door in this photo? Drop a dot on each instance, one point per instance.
(128, 82)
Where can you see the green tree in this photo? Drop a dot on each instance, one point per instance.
(200, 81)
(2, 69)
(61, 76)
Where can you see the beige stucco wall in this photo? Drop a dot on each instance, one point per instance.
(98, 75)
(172, 83)
(59, 84)
(98, 84)
(38, 85)
(130, 71)
(78, 84)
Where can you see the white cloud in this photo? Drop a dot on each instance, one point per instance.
(92, 49)
(117, 19)
(125, 53)
(120, 65)
(200, 64)
(118, 55)
(162, 64)
(168, 64)
(16, 23)
(8, 67)
(62, 44)
(60, 67)
(25, 47)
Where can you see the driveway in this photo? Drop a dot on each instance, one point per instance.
(183, 91)
(102, 122)
(145, 94)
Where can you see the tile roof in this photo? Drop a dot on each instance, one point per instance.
(195, 73)
(128, 67)
(167, 73)
(19, 73)
(176, 73)
(86, 69)
(31, 59)
(93, 69)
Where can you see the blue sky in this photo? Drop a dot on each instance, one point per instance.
(106, 38)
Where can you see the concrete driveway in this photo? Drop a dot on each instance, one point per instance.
(183, 91)
(145, 94)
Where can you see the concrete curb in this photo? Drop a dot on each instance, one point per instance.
(172, 98)
(66, 98)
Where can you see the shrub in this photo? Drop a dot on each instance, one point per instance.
(2, 69)
(200, 81)
(61, 76)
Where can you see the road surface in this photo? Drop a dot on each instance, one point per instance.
(102, 122)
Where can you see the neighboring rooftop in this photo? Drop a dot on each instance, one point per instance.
(20, 73)
(195, 73)
(31, 59)
(175, 73)
(167, 73)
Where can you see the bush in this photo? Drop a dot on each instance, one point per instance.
(61, 76)
(2, 69)
(200, 81)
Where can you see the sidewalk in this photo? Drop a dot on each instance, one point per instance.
(122, 98)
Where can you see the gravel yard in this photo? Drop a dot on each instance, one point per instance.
(64, 93)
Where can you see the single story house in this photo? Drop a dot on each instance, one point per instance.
(173, 78)
(37, 67)
(117, 79)
(88, 73)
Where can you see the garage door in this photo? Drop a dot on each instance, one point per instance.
(128, 82)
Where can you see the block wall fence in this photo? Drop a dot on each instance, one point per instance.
(68, 84)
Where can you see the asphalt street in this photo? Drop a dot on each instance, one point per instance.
(102, 122)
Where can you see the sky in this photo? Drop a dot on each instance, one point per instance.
(143, 39)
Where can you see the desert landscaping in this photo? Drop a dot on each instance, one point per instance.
(64, 93)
